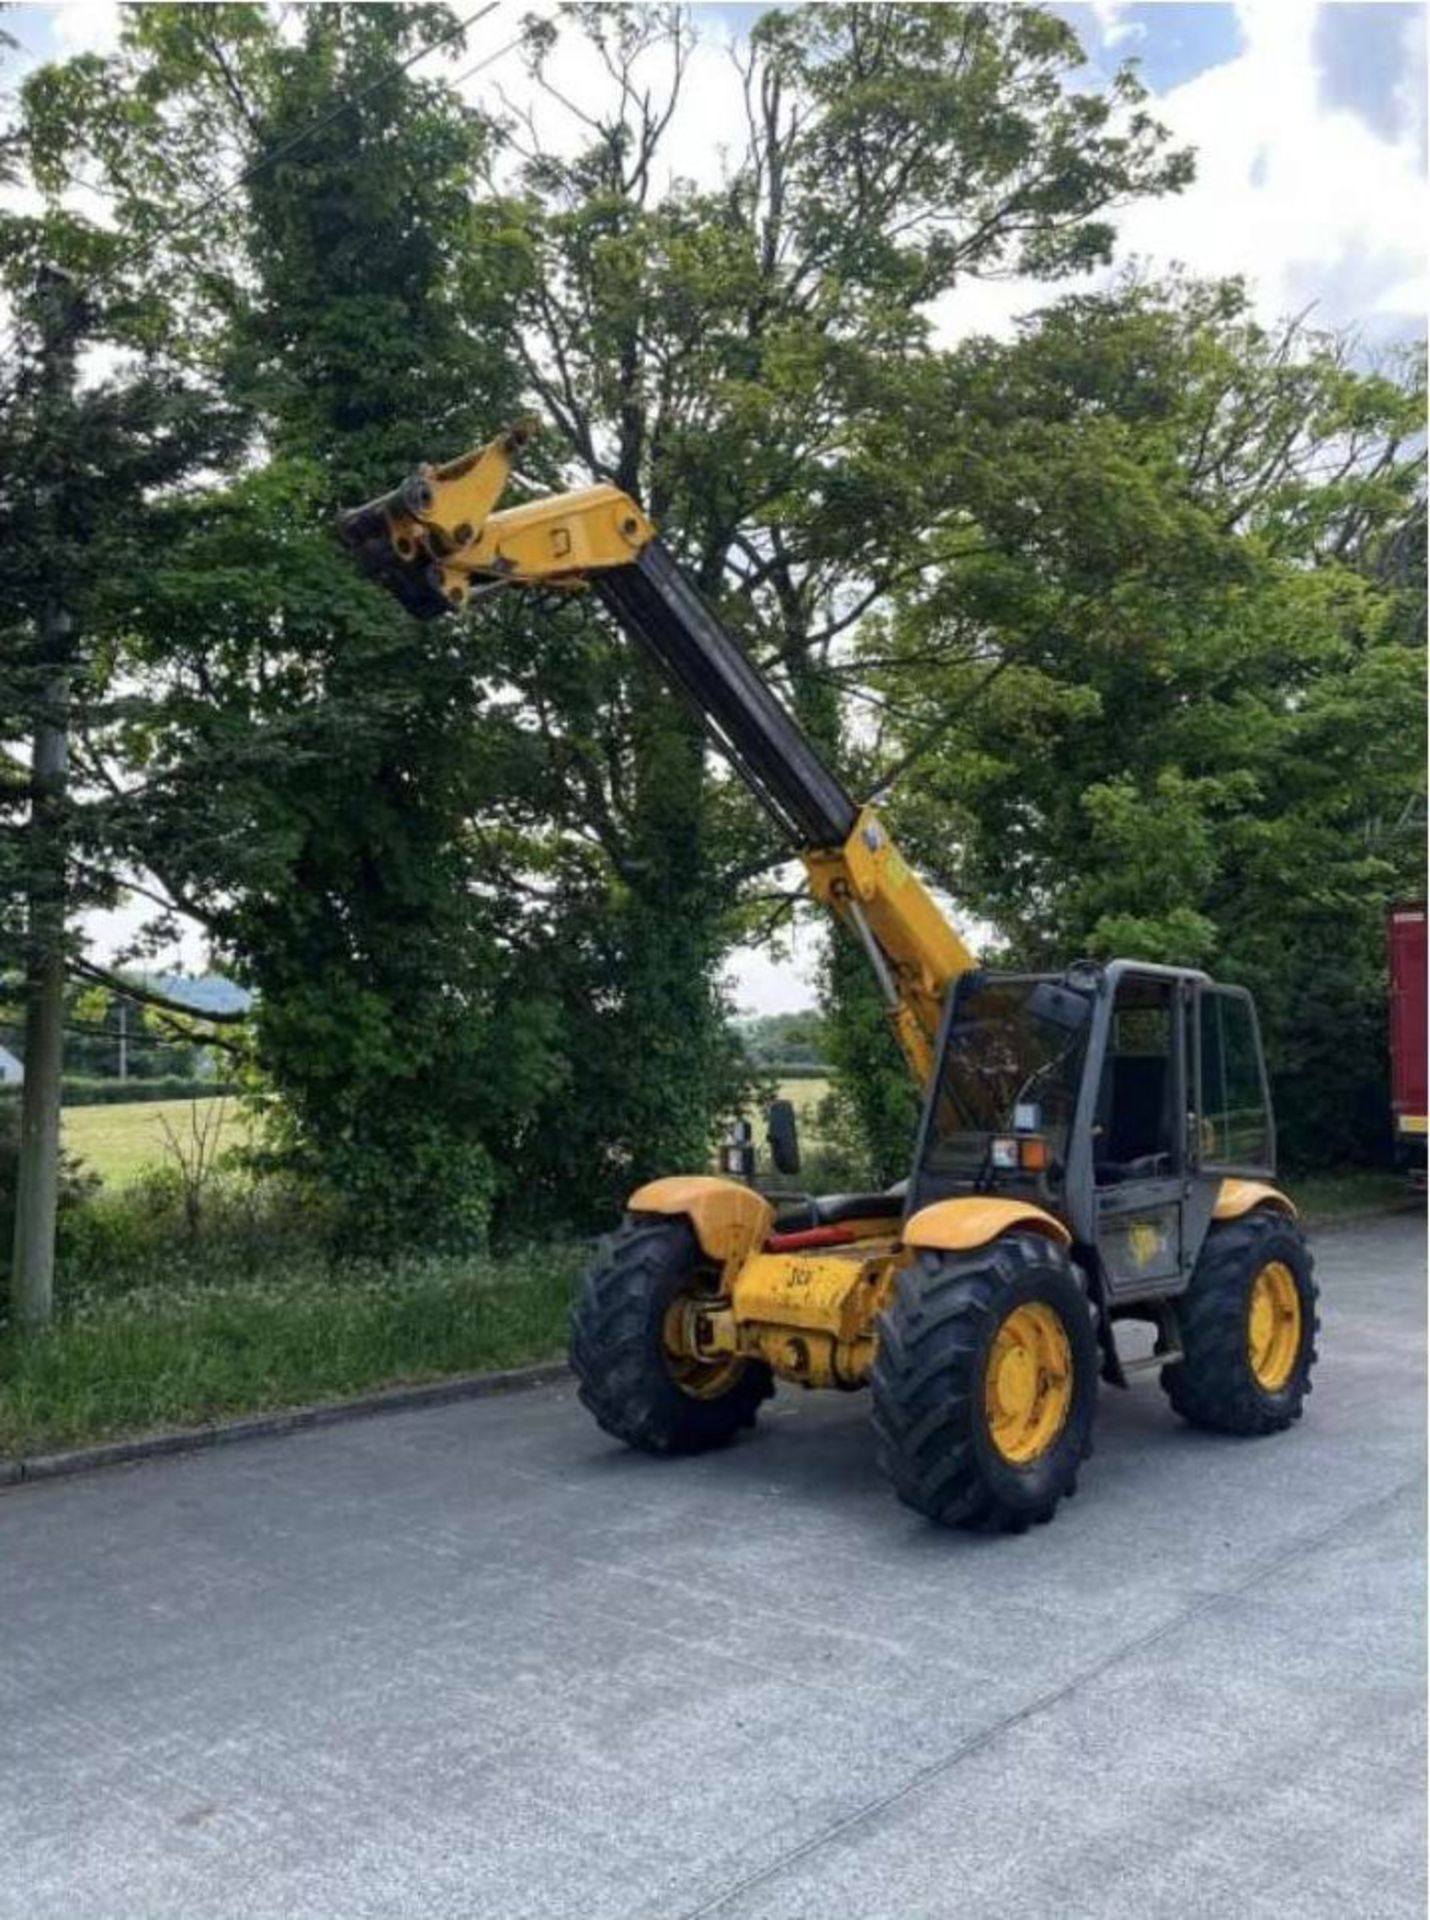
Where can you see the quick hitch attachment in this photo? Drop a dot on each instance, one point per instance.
(437, 534)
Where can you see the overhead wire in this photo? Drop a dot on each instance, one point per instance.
(251, 172)
(256, 168)
(489, 60)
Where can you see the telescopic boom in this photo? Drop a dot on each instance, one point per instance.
(438, 540)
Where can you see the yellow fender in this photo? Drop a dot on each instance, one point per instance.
(728, 1220)
(1236, 1197)
(956, 1226)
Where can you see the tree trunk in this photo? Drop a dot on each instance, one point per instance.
(38, 1174)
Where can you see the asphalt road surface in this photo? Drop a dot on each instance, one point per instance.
(477, 1661)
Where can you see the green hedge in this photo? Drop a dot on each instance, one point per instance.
(77, 1092)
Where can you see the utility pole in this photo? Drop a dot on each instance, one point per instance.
(124, 1039)
(37, 1184)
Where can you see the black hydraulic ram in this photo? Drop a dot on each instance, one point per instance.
(656, 605)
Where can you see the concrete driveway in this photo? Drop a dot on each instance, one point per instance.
(476, 1661)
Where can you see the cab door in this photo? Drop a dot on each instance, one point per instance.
(1140, 1149)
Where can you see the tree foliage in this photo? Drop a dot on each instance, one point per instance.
(1124, 609)
(752, 363)
(1176, 669)
(301, 764)
(98, 424)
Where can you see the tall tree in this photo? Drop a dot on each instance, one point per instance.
(298, 764)
(1171, 682)
(753, 363)
(81, 465)
(482, 877)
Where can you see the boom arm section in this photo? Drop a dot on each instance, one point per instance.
(437, 540)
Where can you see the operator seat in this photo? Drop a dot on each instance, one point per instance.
(1134, 1136)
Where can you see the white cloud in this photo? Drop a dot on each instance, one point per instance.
(1404, 297)
(1298, 197)
(1117, 31)
(85, 26)
(988, 306)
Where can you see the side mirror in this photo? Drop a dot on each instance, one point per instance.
(1059, 1006)
(783, 1136)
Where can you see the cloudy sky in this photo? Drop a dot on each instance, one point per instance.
(1309, 128)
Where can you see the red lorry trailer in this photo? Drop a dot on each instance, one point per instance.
(1407, 1038)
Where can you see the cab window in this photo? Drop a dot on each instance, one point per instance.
(1235, 1118)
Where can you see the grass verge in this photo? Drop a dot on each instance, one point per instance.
(154, 1334)
(1323, 1197)
(177, 1355)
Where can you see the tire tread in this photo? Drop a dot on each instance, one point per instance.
(1212, 1386)
(927, 1389)
(615, 1349)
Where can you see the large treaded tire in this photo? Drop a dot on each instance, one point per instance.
(930, 1419)
(1213, 1384)
(618, 1355)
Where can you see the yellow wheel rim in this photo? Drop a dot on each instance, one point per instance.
(1273, 1327)
(701, 1379)
(1028, 1383)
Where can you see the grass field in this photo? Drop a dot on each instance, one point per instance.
(805, 1096)
(119, 1142)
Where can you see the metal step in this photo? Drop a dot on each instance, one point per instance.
(1146, 1362)
(1161, 1322)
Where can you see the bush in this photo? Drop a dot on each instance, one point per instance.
(77, 1184)
(131, 1237)
(400, 1181)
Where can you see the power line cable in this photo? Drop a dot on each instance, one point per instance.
(490, 59)
(256, 167)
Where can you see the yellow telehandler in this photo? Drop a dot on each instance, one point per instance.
(1096, 1146)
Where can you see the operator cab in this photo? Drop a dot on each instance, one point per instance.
(1115, 1097)
(1011, 1062)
